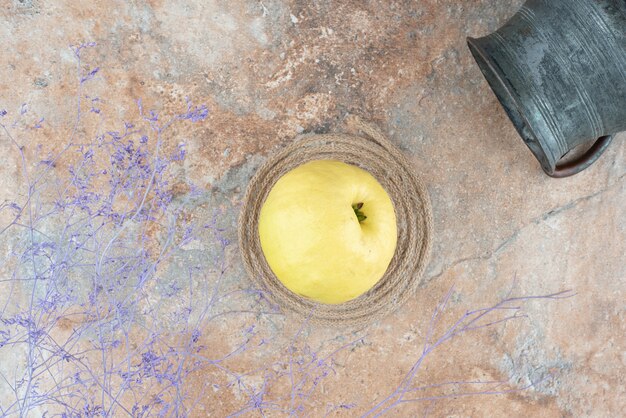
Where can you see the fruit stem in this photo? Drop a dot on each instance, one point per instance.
(357, 211)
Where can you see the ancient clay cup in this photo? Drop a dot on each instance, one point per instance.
(558, 67)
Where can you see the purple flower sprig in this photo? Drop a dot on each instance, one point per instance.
(505, 310)
(93, 308)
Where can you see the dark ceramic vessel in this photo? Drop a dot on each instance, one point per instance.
(558, 68)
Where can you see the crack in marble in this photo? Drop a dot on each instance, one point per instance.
(487, 255)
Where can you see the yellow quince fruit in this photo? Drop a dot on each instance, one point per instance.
(328, 231)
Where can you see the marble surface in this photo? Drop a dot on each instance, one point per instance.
(273, 69)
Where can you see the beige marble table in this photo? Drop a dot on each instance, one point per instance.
(269, 70)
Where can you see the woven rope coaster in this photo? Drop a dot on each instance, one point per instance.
(377, 155)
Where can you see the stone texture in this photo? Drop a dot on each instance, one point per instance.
(272, 69)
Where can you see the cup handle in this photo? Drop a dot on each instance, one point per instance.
(578, 165)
